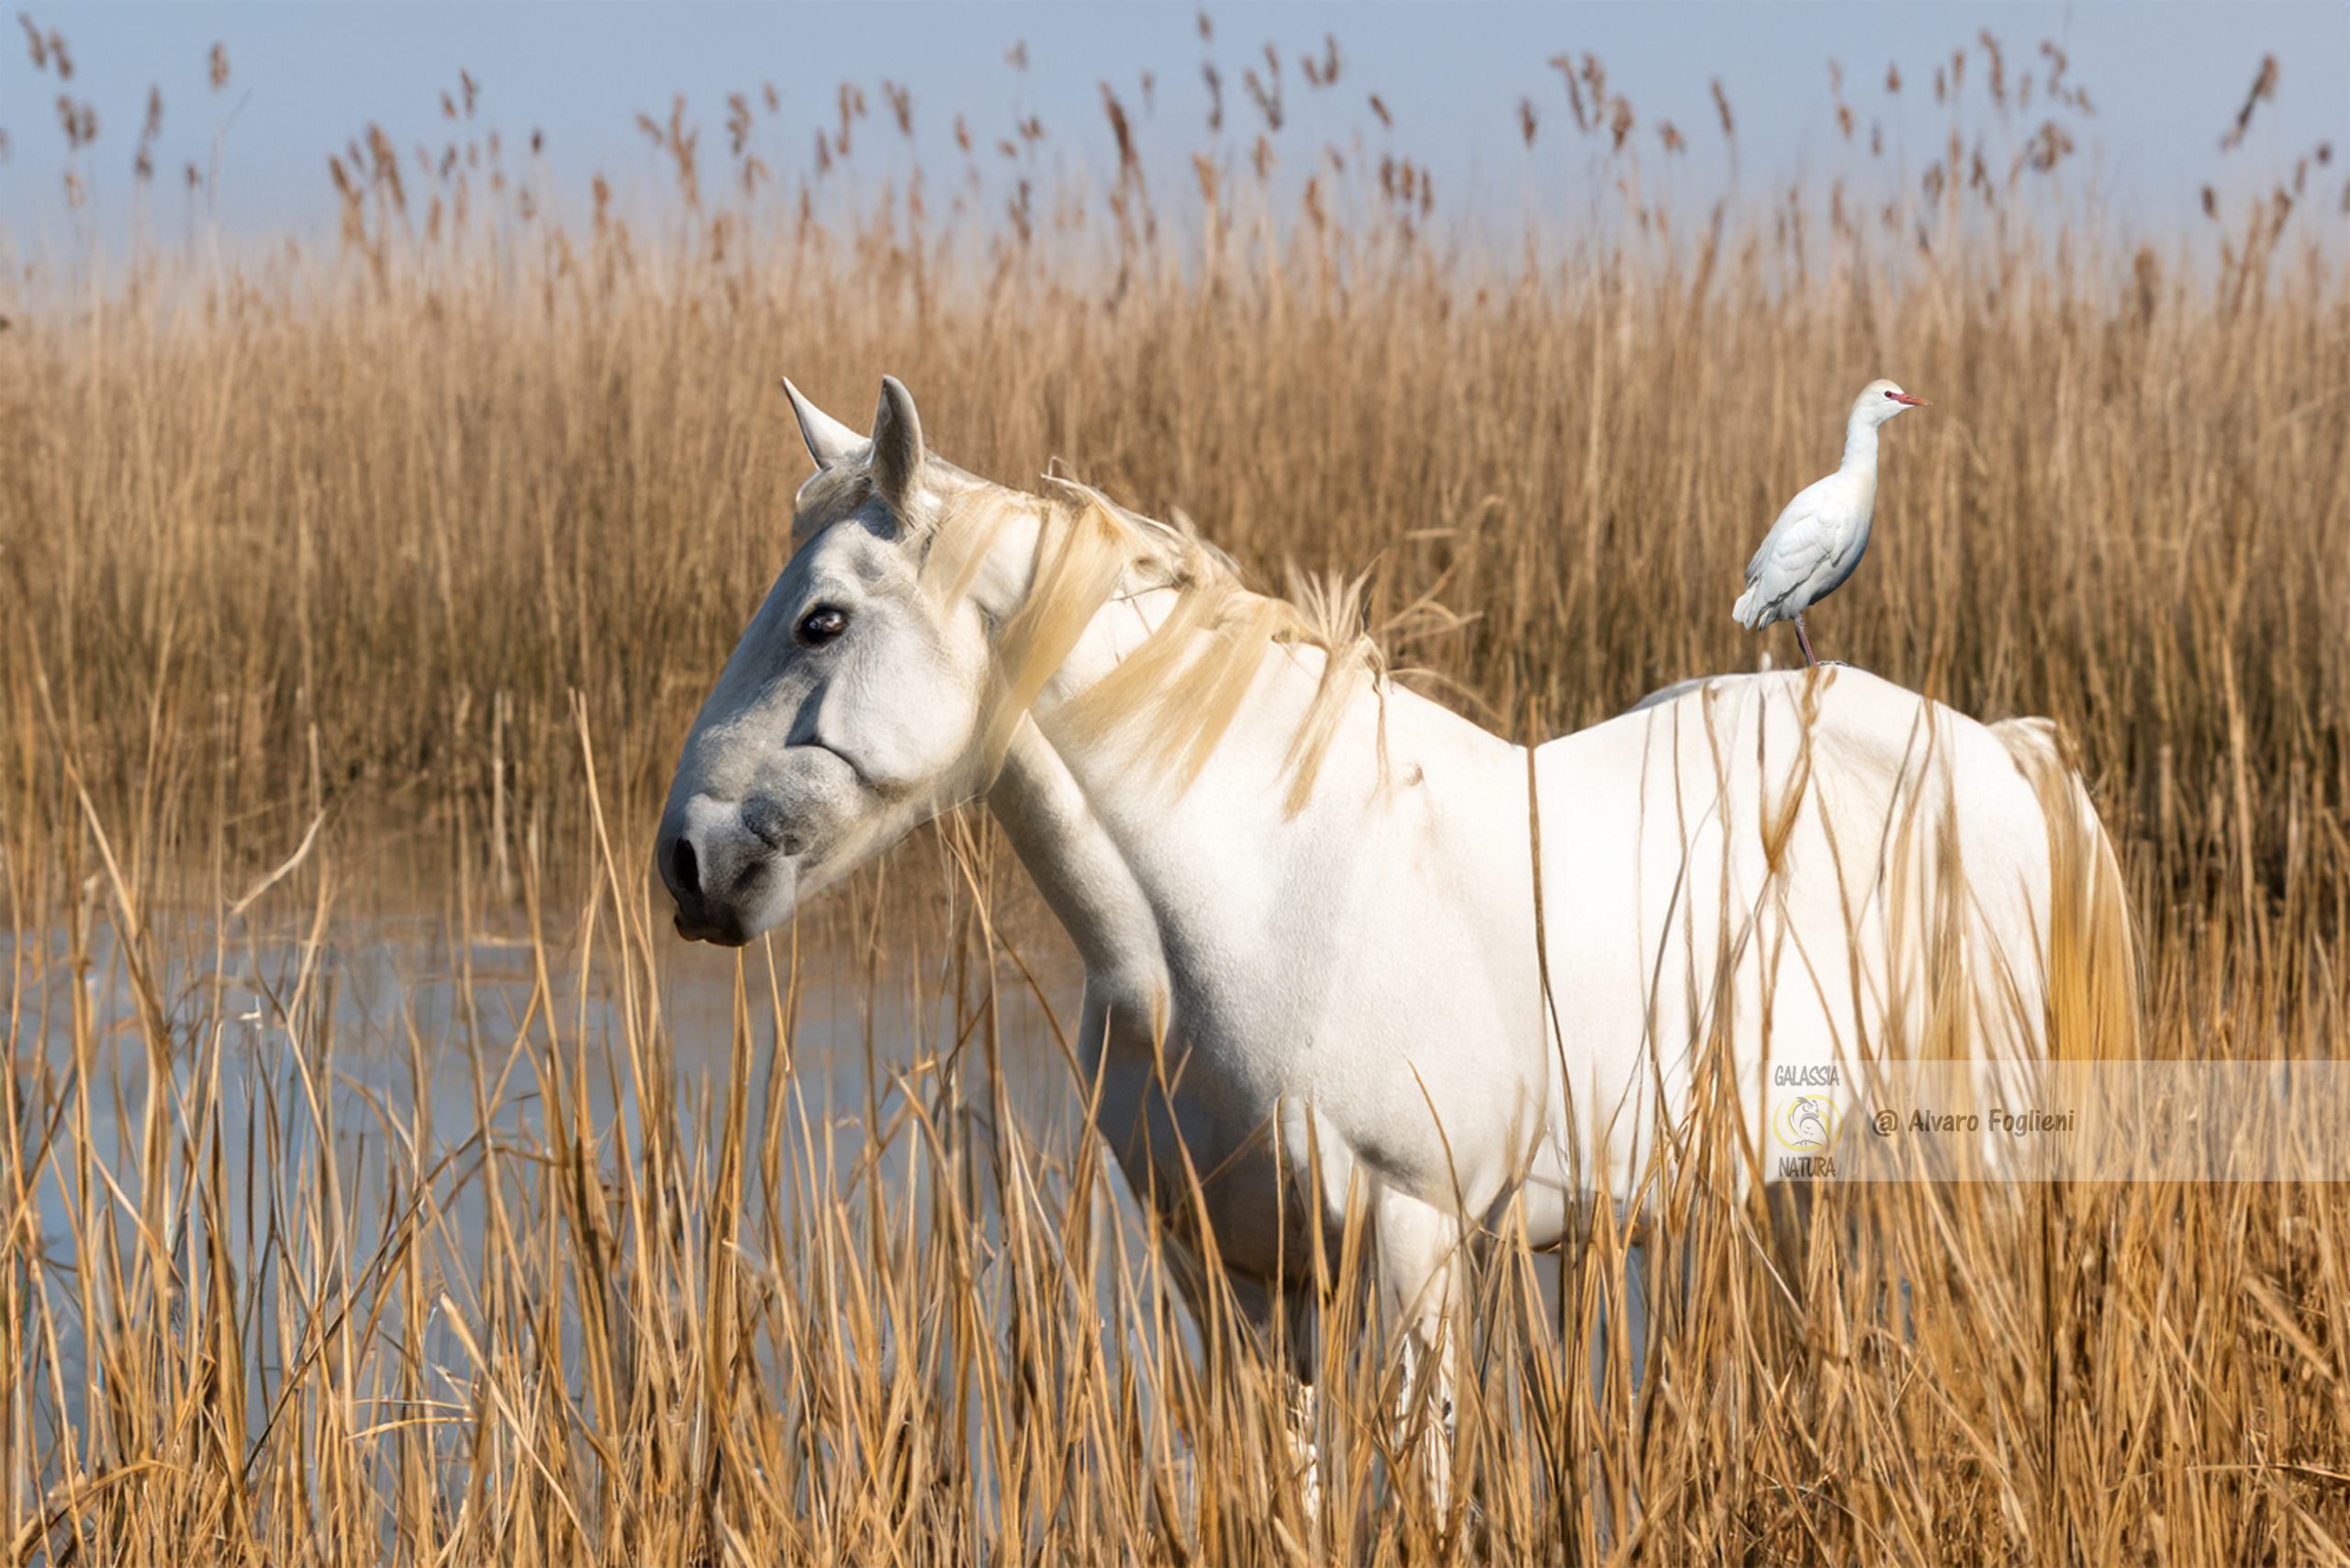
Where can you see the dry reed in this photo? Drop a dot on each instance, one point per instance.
(385, 576)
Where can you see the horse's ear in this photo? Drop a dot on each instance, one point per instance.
(896, 441)
(830, 442)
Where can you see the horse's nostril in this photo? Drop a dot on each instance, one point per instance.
(685, 868)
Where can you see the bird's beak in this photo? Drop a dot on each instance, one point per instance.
(1908, 402)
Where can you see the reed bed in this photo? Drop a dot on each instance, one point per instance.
(376, 578)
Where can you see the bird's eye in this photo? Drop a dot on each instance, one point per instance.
(1893, 394)
(820, 625)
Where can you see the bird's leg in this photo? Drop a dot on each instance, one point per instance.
(1808, 660)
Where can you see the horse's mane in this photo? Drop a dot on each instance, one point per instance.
(1174, 697)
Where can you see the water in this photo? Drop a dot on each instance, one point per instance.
(349, 1117)
(324, 1107)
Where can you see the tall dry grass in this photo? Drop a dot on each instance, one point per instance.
(383, 576)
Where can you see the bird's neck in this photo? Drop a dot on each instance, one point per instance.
(1860, 448)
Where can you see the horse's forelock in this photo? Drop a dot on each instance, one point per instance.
(834, 495)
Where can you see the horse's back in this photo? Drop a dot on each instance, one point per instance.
(1813, 868)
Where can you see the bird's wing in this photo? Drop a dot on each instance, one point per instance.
(1798, 541)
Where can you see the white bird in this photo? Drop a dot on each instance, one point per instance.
(1819, 538)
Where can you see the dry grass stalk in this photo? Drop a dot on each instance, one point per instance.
(386, 578)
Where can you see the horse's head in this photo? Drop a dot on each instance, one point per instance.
(849, 711)
(923, 613)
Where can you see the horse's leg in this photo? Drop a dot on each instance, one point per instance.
(1260, 1307)
(1291, 1361)
(1420, 1284)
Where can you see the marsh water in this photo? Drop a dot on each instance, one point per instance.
(329, 1101)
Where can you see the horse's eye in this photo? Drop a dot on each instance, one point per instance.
(820, 625)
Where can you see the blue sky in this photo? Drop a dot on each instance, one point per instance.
(2167, 79)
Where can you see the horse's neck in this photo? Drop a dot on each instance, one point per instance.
(1113, 855)
(1074, 818)
(1087, 877)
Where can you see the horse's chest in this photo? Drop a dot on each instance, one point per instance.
(1198, 1139)
(1277, 1098)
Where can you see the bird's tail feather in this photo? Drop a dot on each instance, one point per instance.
(1748, 611)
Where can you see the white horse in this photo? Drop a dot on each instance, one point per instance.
(1337, 937)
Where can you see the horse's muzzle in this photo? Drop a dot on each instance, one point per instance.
(728, 867)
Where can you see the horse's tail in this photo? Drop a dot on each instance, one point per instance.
(2091, 984)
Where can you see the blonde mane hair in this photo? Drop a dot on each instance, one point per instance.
(1172, 699)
